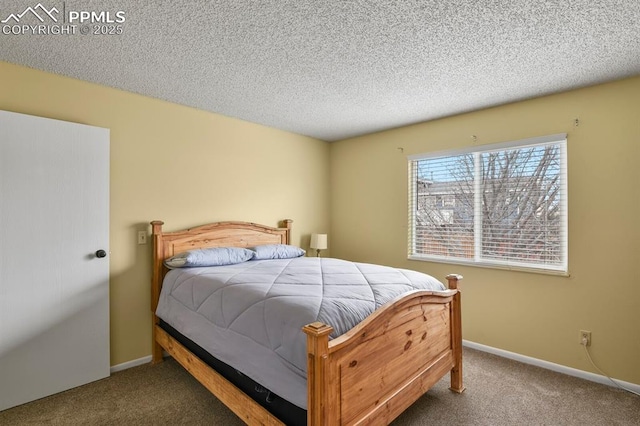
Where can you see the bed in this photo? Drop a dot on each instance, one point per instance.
(367, 375)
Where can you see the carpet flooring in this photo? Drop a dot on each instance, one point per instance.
(499, 392)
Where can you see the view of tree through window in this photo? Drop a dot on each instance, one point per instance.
(504, 206)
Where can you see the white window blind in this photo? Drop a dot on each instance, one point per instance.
(501, 205)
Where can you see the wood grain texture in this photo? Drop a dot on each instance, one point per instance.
(243, 406)
(389, 360)
(368, 375)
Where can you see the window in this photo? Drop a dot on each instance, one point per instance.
(502, 205)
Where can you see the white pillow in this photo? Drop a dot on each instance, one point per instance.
(214, 256)
(276, 251)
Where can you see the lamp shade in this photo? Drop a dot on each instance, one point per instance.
(318, 241)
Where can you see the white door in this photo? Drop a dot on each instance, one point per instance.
(54, 287)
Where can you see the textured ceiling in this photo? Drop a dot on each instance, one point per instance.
(335, 68)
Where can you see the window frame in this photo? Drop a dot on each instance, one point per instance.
(477, 260)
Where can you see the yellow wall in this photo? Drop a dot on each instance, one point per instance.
(183, 166)
(187, 167)
(531, 314)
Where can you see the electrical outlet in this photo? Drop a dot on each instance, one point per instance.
(585, 338)
(142, 237)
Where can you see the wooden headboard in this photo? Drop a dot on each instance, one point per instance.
(218, 234)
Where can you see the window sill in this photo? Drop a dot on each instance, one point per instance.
(491, 265)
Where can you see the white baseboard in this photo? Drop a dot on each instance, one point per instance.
(495, 351)
(130, 364)
(550, 366)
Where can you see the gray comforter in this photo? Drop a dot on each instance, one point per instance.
(250, 315)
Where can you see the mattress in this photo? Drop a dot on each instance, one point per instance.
(250, 315)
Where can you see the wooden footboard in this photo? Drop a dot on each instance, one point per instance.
(369, 375)
(379, 368)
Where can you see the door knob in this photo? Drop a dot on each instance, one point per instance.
(101, 253)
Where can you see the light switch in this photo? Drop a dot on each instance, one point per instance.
(142, 237)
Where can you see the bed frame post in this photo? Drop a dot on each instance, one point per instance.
(317, 390)
(287, 224)
(156, 285)
(456, 335)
